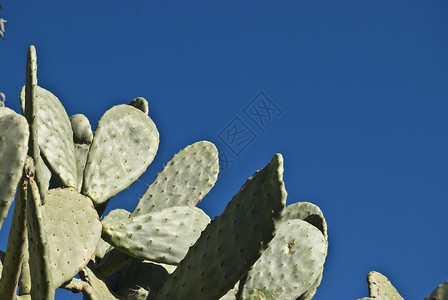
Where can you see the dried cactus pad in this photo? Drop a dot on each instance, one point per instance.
(124, 144)
(73, 231)
(291, 264)
(162, 237)
(14, 135)
(185, 180)
(54, 135)
(232, 242)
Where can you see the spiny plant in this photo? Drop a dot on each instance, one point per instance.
(62, 176)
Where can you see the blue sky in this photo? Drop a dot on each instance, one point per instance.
(360, 87)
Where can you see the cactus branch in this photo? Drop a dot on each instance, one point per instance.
(79, 286)
(16, 242)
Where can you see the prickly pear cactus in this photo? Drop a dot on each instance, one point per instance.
(381, 288)
(167, 248)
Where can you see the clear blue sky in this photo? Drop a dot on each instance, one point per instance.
(361, 89)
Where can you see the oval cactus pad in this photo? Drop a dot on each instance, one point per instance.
(162, 237)
(13, 149)
(124, 144)
(308, 212)
(185, 180)
(73, 230)
(54, 135)
(297, 253)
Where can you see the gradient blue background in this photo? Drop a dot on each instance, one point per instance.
(362, 86)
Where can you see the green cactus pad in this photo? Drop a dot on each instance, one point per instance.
(81, 153)
(29, 107)
(38, 246)
(313, 289)
(185, 180)
(25, 275)
(381, 288)
(233, 241)
(308, 212)
(73, 231)
(231, 294)
(141, 104)
(82, 132)
(100, 290)
(16, 247)
(14, 136)
(112, 262)
(291, 264)
(440, 293)
(124, 144)
(6, 111)
(82, 137)
(42, 172)
(312, 214)
(162, 237)
(140, 278)
(54, 135)
(115, 214)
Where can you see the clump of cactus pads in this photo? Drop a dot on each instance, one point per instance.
(167, 248)
(297, 252)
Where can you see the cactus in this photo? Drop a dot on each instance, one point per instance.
(440, 293)
(167, 248)
(381, 288)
